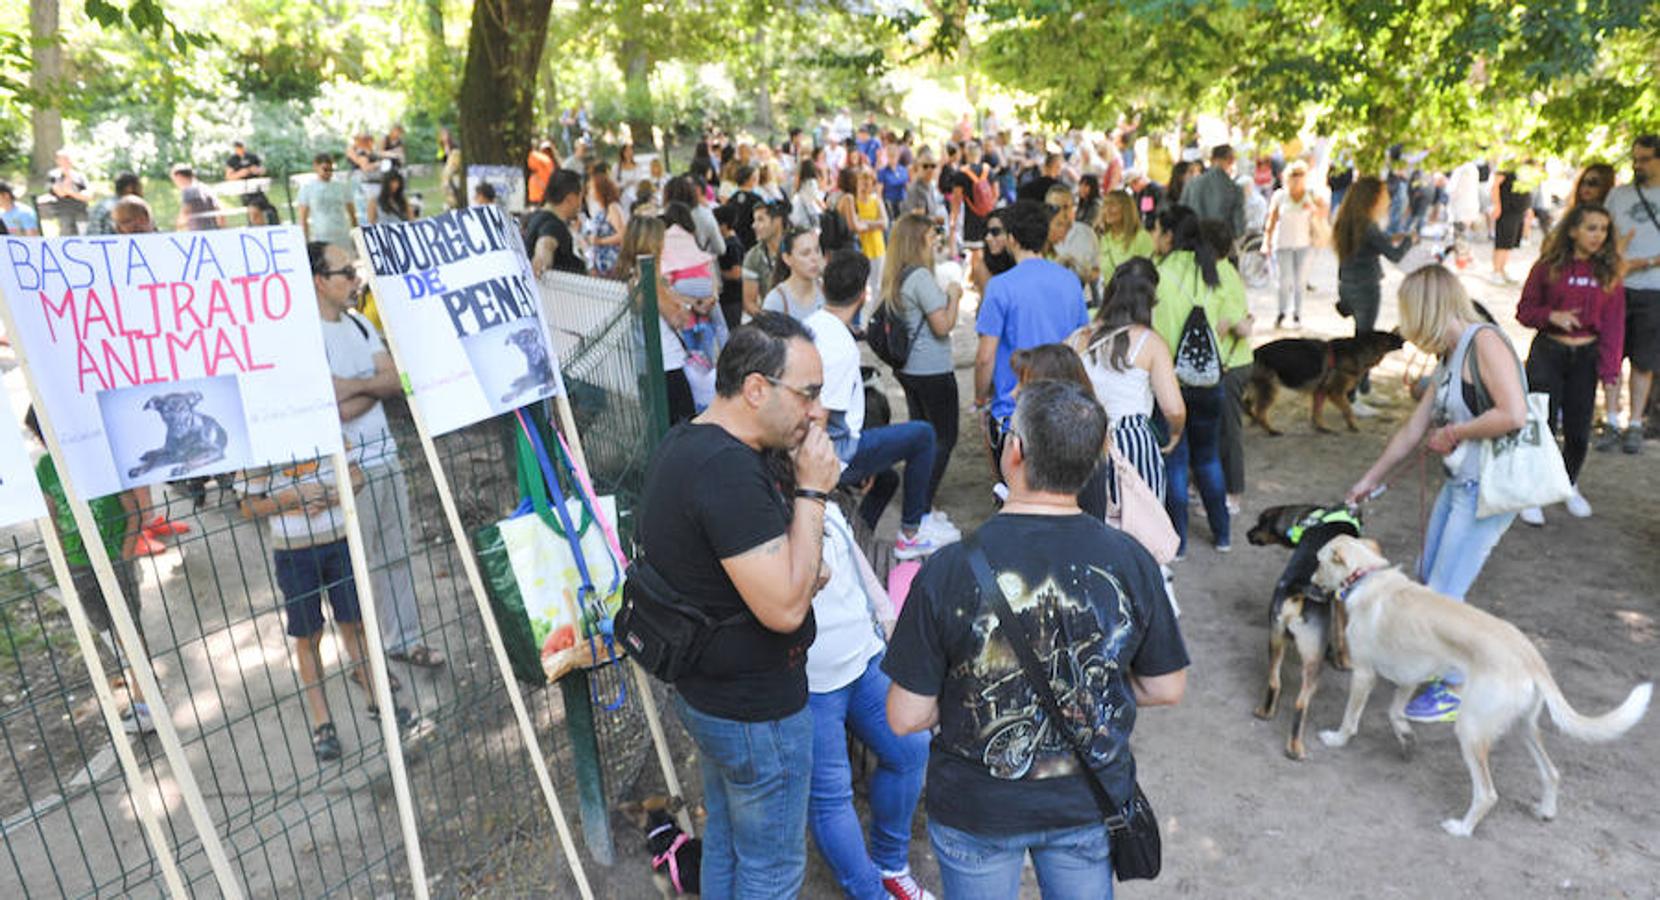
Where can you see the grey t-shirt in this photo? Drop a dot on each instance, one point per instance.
(1627, 206)
(921, 295)
(779, 299)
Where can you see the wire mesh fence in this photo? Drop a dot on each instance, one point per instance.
(215, 612)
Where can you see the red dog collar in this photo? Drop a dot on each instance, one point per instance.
(1352, 582)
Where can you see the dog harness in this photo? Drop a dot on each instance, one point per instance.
(668, 856)
(1340, 514)
(1352, 582)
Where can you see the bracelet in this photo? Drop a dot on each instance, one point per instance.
(810, 494)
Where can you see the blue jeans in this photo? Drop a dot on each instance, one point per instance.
(1201, 446)
(755, 781)
(883, 448)
(1071, 863)
(1456, 543)
(901, 764)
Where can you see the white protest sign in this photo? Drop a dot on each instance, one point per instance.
(456, 293)
(19, 492)
(168, 356)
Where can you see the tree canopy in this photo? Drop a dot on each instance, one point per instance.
(149, 82)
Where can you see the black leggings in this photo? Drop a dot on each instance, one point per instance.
(681, 406)
(1569, 375)
(933, 399)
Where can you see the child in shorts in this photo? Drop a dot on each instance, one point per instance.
(118, 518)
(311, 560)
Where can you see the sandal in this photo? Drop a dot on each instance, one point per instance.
(325, 743)
(405, 718)
(358, 678)
(421, 655)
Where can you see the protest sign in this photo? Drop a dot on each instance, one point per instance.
(20, 499)
(168, 356)
(456, 293)
(508, 182)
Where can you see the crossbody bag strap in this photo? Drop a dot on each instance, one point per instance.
(1643, 198)
(1015, 633)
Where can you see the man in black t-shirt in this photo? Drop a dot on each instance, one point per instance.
(547, 232)
(733, 516)
(1003, 778)
(242, 165)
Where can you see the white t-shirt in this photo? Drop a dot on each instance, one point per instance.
(844, 390)
(1629, 214)
(1293, 229)
(293, 528)
(352, 344)
(845, 612)
(674, 352)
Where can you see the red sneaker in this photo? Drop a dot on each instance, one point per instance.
(161, 526)
(148, 546)
(904, 887)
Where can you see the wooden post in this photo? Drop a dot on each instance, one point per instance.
(127, 632)
(642, 682)
(475, 581)
(145, 802)
(389, 730)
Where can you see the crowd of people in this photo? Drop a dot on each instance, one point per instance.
(1110, 312)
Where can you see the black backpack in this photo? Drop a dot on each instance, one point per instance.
(887, 335)
(833, 233)
(1198, 360)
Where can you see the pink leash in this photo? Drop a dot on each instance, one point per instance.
(667, 856)
(593, 498)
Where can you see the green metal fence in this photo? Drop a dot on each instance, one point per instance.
(214, 626)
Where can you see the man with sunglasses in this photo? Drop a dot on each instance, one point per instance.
(1636, 210)
(732, 516)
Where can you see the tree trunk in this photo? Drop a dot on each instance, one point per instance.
(45, 121)
(637, 66)
(498, 87)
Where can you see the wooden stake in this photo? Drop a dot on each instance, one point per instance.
(127, 632)
(642, 682)
(145, 801)
(504, 666)
(377, 668)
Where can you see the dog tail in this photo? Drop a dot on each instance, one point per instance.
(1605, 727)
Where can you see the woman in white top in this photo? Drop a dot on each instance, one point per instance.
(809, 201)
(1131, 368)
(1288, 235)
(629, 172)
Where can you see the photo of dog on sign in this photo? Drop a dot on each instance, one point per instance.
(513, 363)
(183, 429)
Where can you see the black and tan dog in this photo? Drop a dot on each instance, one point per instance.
(1301, 613)
(676, 857)
(1329, 370)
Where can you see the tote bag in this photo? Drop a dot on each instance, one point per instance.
(1523, 468)
(1139, 513)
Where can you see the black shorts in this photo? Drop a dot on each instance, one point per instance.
(1507, 233)
(1642, 329)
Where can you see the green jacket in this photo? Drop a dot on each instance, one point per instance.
(1114, 254)
(1182, 286)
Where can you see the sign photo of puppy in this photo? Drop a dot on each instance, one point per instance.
(513, 364)
(183, 429)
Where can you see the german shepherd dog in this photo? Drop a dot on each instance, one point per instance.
(1300, 613)
(1408, 634)
(1329, 370)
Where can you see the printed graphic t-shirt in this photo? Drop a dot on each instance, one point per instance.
(1092, 602)
(709, 496)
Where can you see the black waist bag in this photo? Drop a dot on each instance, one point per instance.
(663, 631)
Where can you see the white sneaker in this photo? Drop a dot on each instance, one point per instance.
(1363, 410)
(1577, 505)
(914, 547)
(1535, 516)
(942, 532)
(136, 720)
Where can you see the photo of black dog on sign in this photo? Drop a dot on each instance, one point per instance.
(513, 363)
(165, 432)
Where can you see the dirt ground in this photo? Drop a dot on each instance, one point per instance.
(1242, 820)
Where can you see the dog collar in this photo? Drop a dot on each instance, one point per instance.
(1352, 582)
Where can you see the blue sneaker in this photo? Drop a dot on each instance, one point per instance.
(1434, 702)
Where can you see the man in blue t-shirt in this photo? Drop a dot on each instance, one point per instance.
(1036, 302)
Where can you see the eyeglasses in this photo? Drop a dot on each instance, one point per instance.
(809, 393)
(995, 232)
(349, 273)
(1591, 183)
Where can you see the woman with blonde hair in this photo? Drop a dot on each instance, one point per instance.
(1452, 418)
(870, 221)
(1122, 237)
(1288, 237)
(644, 237)
(913, 297)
